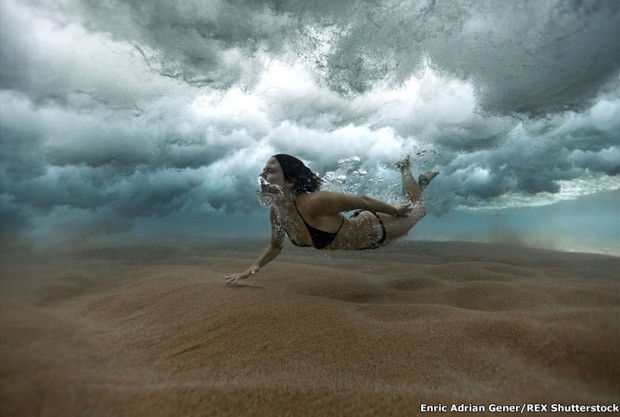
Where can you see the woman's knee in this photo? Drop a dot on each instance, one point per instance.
(418, 212)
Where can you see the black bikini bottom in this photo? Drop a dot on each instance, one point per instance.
(380, 242)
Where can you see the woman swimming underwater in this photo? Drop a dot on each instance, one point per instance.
(314, 218)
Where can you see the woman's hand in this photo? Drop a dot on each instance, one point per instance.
(403, 210)
(232, 279)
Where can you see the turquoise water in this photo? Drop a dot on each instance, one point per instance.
(119, 120)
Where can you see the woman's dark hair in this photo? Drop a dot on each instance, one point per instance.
(295, 171)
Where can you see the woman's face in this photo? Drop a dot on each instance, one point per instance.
(273, 174)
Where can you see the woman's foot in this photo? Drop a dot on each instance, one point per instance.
(425, 179)
(403, 163)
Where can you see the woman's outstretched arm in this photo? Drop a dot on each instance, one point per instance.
(268, 255)
(325, 203)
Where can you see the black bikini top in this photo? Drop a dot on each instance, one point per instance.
(320, 238)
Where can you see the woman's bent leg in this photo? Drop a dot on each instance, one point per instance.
(411, 189)
(399, 226)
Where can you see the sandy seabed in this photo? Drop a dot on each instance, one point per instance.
(153, 331)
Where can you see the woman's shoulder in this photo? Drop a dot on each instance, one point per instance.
(323, 194)
(322, 202)
(317, 197)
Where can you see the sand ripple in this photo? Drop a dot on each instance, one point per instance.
(108, 334)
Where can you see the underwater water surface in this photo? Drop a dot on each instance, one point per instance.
(120, 121)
